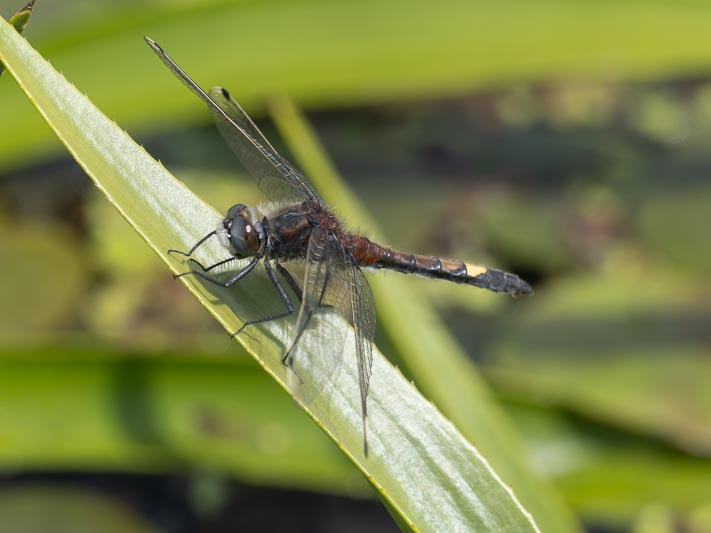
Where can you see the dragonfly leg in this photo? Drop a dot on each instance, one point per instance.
(282, 294)
(305, 314)
(195, 247)
(289, 279)
(234, 279)
(202, 267)
(323, 291)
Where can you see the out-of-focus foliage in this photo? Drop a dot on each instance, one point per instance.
(345, 53)
(83, 408)
(38, 509)
(575, 152)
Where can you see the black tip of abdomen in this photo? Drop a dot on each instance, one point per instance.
(500, 281)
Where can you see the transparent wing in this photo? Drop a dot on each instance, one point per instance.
(274, 175)
(334, 280)
(349, 293)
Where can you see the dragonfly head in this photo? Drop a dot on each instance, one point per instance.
(240, 232)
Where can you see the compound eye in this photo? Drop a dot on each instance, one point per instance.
(244, 237)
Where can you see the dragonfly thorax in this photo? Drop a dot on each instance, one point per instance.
(240, 232)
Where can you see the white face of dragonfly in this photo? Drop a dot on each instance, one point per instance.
(240, 232)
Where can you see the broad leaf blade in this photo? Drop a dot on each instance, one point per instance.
(419, 463)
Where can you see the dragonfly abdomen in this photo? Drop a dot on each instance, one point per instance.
(373, 255)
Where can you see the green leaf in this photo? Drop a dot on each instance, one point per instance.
(22, 17)
(19, 21)
(419, 463)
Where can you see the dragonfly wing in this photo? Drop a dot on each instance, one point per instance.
(275, 176)
(350, 293)
(334, 280)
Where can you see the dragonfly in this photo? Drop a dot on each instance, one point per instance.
(298, 226)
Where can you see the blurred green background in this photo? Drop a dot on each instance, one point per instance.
(565, 141)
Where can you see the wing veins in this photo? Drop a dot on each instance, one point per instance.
(267, 152)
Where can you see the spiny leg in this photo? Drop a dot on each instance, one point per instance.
(316, 280)
(282, 294)
(234, 279)
(195, 247)
(297, 290)
(204, 268)
(289, 279)
(191, 260)
(323, 291)
(305, 314)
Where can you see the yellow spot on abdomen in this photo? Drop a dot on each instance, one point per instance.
(475, 270)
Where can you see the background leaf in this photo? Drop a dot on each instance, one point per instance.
(356, 52)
